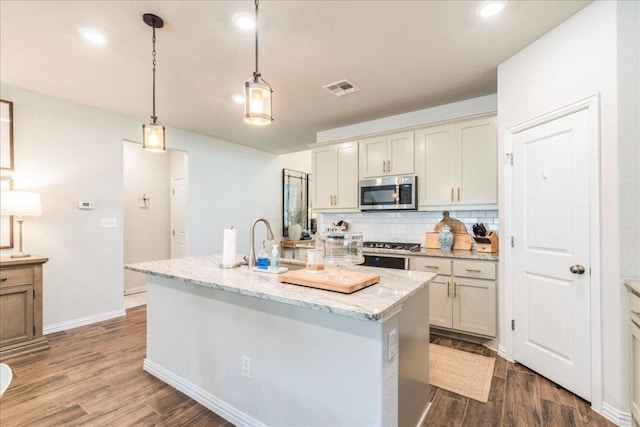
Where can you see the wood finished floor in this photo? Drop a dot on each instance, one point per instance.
(93, 375)
(518, 397)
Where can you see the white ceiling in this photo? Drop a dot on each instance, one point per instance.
(404, 56)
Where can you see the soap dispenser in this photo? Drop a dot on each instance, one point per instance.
(275, 258)
(263, 258)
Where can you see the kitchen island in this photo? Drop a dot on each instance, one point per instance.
(260, 352)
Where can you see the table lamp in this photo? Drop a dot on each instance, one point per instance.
(20, 204)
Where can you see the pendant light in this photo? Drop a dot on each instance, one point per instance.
(257, 94)
(153, 135)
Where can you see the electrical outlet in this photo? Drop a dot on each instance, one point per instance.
(246, 367)
(393, 343)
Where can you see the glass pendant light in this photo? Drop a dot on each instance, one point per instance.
(153, 135)
(257, 94)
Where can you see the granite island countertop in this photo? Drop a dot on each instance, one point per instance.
(372, 303)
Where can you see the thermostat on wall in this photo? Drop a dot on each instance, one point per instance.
(85, 204)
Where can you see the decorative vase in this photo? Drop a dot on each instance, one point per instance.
(445, 238)
(295, 232)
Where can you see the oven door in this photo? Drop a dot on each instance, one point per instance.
(399, 263)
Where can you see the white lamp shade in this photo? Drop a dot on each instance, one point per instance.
(20, 203)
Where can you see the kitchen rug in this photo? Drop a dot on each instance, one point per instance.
(463, 373)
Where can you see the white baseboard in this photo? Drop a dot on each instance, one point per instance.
(215, 404)
(63, 326)
(424, 414)
(502, 352)
(619, 418)
(135, 290)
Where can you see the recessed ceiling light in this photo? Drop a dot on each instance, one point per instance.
(94, 36)
(491, 8)
(238, 99)
(244, 21)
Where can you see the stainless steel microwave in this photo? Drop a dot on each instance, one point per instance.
(388, 193)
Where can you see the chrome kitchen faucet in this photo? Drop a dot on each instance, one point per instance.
(252, 249)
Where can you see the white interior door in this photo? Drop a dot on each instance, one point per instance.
(551, 257)
(178, 218)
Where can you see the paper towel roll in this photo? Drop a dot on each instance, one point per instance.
(229, 246)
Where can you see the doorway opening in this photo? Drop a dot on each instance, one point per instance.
(154, 218)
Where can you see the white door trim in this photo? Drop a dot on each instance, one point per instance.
(592, 104)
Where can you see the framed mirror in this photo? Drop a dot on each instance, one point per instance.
(295, 199)
(6, 135)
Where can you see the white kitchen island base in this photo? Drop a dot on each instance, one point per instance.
(306, 366)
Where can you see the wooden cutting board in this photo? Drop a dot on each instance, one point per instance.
(354, 280)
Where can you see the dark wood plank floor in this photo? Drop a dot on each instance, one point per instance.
(518, 397)
(93, 375)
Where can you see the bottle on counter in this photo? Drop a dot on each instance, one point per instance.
(275, 258)
(263, 258)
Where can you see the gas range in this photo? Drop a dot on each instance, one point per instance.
(392, 245)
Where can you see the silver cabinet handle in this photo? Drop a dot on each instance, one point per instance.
(434, 267)
(452, 194)
(455, 290)
(389, 166)
(448, 289)
(472, 271)
(576, 269)
(458, 193)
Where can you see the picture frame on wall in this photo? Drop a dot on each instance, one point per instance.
(6, 136)
(6, 168)
(6, 221)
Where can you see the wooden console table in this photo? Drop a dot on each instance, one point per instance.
(21, 306)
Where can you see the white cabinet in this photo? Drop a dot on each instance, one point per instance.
(462, 296)
(634, 352)
(387, 155)
(457, 165)
(335, 176)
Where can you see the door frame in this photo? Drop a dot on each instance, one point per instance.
(172, 214)
(507, 347)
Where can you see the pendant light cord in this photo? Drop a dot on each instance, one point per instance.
(153, 53)
(256, 74)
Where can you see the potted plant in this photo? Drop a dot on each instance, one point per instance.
(295, 217)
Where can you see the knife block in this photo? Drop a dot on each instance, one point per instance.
(488, 243)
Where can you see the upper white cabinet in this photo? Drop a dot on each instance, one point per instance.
(335, 176)
(457, 165)
(387, 155)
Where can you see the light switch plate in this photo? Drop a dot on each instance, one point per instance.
(108, 222)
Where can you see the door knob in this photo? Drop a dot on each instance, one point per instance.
(576, 269)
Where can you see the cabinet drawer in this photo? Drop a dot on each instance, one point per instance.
(476, 269)
(434, 265)
(16, 276)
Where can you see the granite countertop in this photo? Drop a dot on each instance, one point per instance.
(633, 284)
(372, 303)
(437, 253)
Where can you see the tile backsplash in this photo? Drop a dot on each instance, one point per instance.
(405, 226)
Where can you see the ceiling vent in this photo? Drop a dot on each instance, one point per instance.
(341, 88)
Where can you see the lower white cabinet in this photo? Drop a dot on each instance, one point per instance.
(634, 356)
(462, 295)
